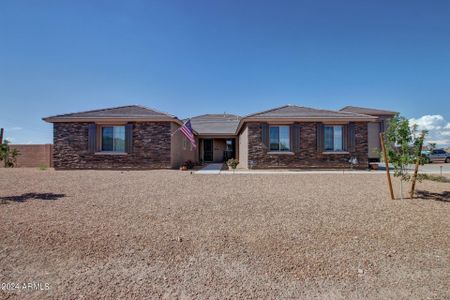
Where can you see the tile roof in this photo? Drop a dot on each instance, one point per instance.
(215, 124)
(125, 112)
(294, 111)
(368, 111)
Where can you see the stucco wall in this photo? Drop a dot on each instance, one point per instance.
(374, 139)
(151, 148)
(178, 153)
(308, 156)
(243, 149)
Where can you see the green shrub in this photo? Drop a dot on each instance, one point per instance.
(43, 167)
(233, 163)
(8, 155)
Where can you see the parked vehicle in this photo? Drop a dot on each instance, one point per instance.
(439, 155)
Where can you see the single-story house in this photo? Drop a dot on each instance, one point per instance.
(136, 137)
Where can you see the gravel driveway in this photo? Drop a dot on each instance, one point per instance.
(169, 234)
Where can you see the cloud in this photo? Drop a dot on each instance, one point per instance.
(438, 129)
(16, 128)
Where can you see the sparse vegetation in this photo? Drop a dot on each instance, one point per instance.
(43, 167)
(437, 178)
(8, 155)
(233, 163)
(187, 165)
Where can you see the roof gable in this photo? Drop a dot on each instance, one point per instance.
(128, 112)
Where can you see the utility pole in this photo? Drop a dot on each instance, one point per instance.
(1, 135)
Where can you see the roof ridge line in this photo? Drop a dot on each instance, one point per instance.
(381, 111)
(266, 111)
(155, 110)
(339, 112)
(88, 111)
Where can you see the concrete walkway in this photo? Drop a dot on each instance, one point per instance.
(210, 169)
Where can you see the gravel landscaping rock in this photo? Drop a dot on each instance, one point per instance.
(171, 234)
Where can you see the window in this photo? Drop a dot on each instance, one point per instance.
(113, 139)
(333, 138)
(229, 145)
(279, 138)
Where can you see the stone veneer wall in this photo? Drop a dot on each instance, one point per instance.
(151, 148)
(308, 157)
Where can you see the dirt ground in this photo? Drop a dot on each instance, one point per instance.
(170, 234)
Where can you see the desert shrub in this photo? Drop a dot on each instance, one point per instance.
(431, 177)
(42, 167)
(189, 164)
(233, 163)
(8, 155)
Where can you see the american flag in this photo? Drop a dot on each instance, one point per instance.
(186, 129)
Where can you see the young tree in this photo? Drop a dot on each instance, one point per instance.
(8, 155)
(402, 145)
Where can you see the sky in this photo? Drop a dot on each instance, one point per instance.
(194, 57)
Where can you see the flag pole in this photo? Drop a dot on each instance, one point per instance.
(173, 133)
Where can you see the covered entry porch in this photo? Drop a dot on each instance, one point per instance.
(217, 149)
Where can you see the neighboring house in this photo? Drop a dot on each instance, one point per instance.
(136, 137)
(374, 128)
(127, 137)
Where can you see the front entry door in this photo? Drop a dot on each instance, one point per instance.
(208, 150)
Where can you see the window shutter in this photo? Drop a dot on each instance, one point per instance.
(92, 137)
(129, 138)
(295, 137)
(351, 137)
(319, 137)
(265, 134)
(345, 138)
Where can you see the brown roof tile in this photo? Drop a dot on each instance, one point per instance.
(294, 111)
(212, 124)
(125, 112)
(368, 111)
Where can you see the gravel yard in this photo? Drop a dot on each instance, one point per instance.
(169, 234)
